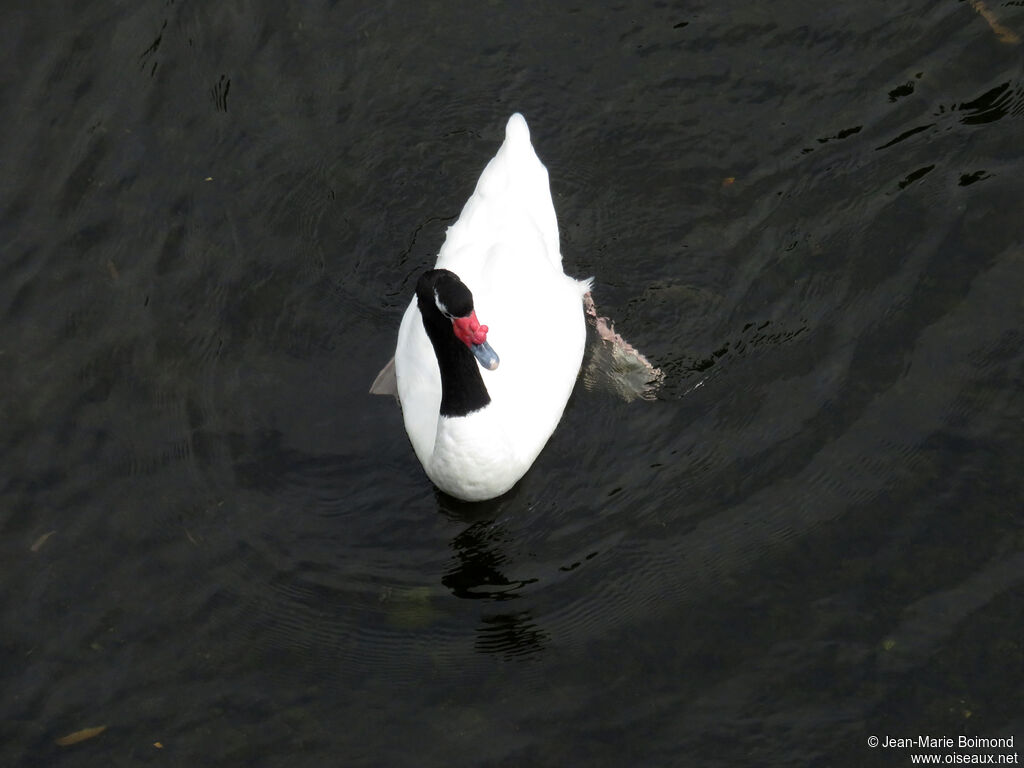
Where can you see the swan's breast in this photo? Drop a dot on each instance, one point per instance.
(473, 457)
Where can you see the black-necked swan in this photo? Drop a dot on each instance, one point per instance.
(496, 292)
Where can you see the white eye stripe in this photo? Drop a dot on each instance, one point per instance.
(441, 307)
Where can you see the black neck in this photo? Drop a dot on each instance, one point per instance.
(462, 387)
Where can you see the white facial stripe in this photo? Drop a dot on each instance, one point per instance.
(441, 306)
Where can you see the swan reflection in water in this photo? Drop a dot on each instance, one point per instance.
(478, 572)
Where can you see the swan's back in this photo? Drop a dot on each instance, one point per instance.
(512, 198)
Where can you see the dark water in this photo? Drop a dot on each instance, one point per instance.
(216, 544)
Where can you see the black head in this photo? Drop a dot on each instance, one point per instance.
(450, 295)
(459, 341)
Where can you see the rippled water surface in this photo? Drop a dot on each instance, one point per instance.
(218, 546)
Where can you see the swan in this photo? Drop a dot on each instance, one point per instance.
(491, 343)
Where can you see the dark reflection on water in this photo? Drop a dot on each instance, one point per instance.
(211, 219)
(477, 572)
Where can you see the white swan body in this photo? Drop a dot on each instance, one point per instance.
(504, 248)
